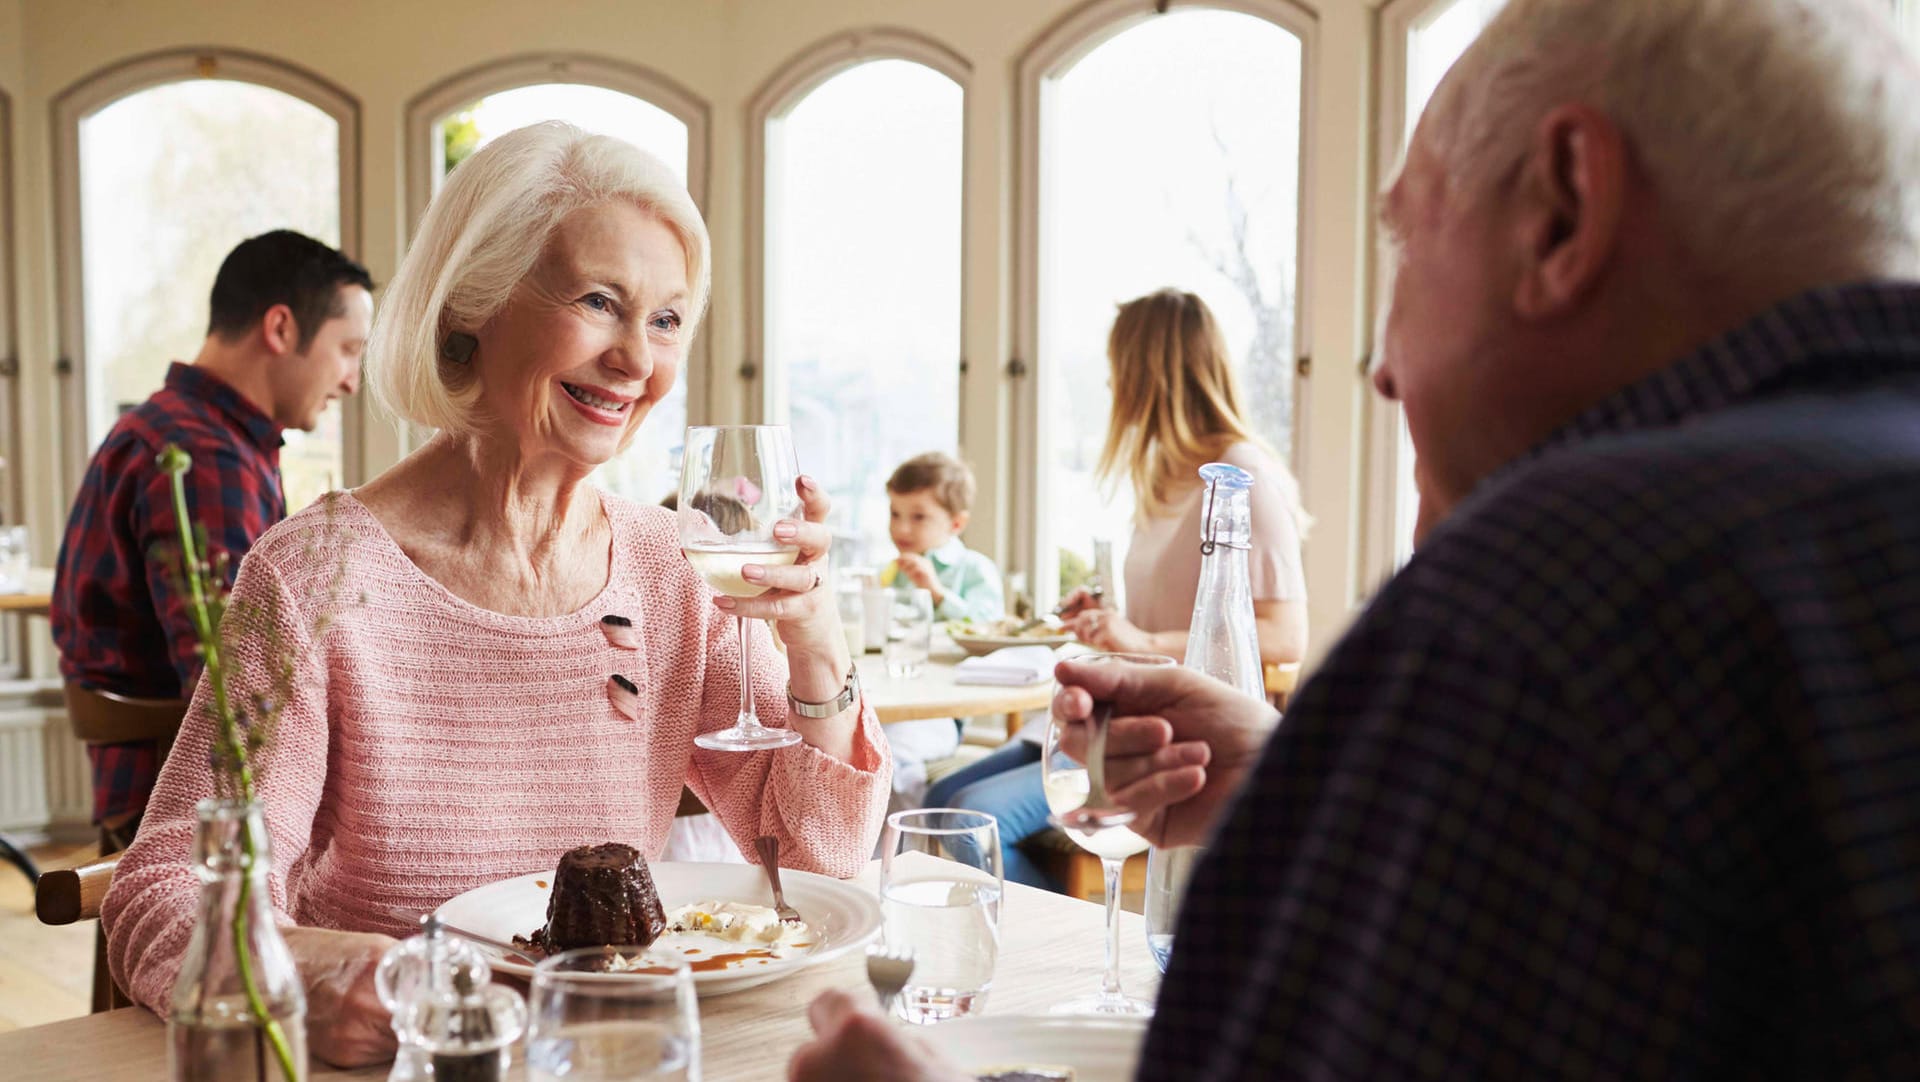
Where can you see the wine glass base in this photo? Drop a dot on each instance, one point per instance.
(747, 738)
(1104, 1006)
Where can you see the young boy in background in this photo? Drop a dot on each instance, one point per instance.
(927, 498)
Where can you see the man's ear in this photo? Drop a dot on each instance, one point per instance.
(960, 522)
(1570, 202)
(280, 330)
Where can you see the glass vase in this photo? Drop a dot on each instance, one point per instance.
(239, 1013)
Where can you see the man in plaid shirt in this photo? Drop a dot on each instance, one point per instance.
(290, 318)
(1620, 777)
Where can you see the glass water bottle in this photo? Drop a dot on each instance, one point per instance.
(1222, 642)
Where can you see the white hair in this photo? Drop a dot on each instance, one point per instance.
(1782, 136)
(482, 236)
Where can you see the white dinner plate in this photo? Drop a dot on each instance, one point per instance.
(840, 915)
(977, 645)
(1098, 1049)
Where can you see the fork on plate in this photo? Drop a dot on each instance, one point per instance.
(888, 971)
(768, 847)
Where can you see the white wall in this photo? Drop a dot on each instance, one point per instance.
(386, 51)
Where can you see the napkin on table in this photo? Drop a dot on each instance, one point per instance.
(1011, 666)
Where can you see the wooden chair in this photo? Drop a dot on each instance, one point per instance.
(1281, 680)
(105, 717)
(71, 895)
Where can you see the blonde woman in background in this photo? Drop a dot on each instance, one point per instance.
(1176, 407)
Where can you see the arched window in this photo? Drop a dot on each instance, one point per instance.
(1161, 150)
(1423, 38)
(166, 163)
(464, 113)
(860, 165)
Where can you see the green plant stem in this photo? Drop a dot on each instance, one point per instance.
(229, 734)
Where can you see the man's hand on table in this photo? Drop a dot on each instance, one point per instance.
(346, 1025)
(851, 1044)
(1178, 747)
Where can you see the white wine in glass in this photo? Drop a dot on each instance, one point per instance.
(1067, 785)
(736, 483)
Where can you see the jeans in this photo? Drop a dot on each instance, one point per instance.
(1005, 785)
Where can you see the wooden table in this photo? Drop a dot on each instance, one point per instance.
(933, 694)
(35, 598)
(1050, 951)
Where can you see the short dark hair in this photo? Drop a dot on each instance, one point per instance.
(281, 267)
(948, 478)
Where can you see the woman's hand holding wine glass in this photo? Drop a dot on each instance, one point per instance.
(754, 528)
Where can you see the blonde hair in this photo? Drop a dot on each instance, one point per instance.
(1782, 135)
(1176, 403)
(483, 234)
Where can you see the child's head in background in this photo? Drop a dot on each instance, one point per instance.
(928, 497)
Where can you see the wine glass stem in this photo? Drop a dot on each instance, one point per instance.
(1110, 986)
(747, 718)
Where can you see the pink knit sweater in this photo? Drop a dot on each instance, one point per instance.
(433, 746)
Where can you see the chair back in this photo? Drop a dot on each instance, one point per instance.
(104, 717)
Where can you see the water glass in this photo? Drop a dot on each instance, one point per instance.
(853, 614)
(876, 615)
(14, 559)
(940, 889)
(910, 639)
(593, 1025)
(1167, 873)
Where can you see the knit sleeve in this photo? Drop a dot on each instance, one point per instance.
(827, 812)
(149, 912)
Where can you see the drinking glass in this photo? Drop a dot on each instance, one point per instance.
(14, 559)
(736, 483)
(910, 638)
(1065, 782)
(592, 1025)
(853, 613)
(940, 889)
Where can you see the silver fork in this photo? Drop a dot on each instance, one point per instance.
(768, 847)
(888, 971)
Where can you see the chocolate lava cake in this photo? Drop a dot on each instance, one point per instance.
(603, 896)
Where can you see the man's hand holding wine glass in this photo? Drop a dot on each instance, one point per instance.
(1179, 745)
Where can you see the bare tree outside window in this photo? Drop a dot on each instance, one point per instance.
(1169, 157)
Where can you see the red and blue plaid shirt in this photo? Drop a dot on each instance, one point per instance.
(119, 621)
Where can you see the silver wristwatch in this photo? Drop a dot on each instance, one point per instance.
(849, 695)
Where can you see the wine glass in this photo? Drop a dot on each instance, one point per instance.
(736, 482)
(1067, 786)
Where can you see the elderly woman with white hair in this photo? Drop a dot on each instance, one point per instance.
(515, 662)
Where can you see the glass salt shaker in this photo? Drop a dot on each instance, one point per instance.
(411, 974)
(469, 1030)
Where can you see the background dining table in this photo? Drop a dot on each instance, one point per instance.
(1050, 951)
(933, 692)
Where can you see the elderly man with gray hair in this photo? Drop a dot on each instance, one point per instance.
(1620, 777)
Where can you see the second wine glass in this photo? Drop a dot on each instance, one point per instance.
(736, 483)
(1066, 785)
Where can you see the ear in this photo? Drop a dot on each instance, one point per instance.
(280, 329)
(1570, 201)
(960, 521)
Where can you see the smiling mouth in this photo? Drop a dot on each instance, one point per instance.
(588, 398)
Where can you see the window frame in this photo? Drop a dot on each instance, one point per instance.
(423, 139)
(764, 393)
(106, 86)
(1054, 53)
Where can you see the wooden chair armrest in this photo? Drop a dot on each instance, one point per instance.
(69, 895)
